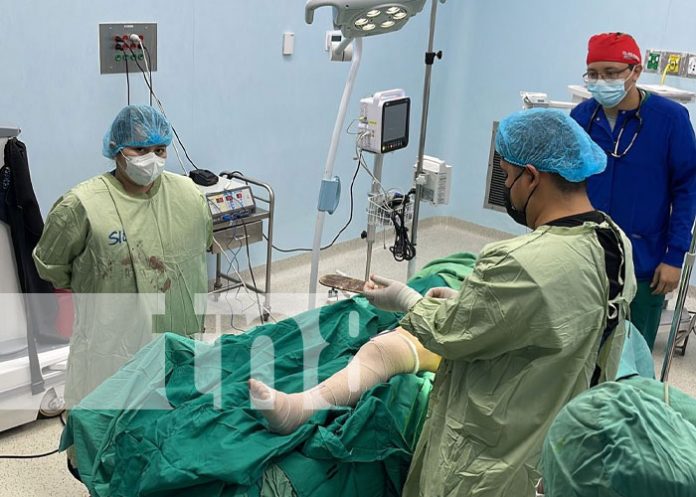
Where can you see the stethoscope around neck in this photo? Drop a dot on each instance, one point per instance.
(615, 153)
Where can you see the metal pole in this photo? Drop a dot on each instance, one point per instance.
(372, 219)
(678, 309)
(328, 170)
(269, 248)
(424, 131)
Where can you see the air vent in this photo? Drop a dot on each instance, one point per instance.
(495, 180)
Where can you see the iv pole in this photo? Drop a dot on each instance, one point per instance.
(429, 61)
(679, 307)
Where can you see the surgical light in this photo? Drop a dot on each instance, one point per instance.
(349, 16)
(353, 17)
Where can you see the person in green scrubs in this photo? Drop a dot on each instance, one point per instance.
(540, 319)
(130, 245)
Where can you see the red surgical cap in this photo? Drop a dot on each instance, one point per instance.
(613, 47)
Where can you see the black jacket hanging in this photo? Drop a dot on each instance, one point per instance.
(20, 210)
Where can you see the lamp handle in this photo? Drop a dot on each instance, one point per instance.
(313, 5)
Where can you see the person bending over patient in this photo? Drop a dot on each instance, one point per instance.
(539, 320)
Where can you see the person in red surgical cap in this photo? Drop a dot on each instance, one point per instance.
(649, 185)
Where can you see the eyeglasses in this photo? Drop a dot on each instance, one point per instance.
(593, 76)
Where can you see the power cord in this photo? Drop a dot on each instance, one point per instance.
(241, 280)
(345, 226)
(233, 259)
(403, 249)
(159, 104)
(251, 270)
(125, 59)
(35, 456)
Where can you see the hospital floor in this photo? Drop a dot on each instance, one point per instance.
(439, 237)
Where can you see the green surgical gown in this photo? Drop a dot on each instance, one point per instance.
(633, 438)
(520, 341)
(135, 264)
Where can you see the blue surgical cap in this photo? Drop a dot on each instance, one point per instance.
(137, 126)
(551, 141)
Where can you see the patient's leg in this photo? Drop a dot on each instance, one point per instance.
(384, 356)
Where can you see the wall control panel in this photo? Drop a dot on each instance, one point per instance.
(117, 50)
(671, 63)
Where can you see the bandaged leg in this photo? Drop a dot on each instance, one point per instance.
(384, 356)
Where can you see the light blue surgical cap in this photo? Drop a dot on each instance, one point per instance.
(551, 141)
(137, 126)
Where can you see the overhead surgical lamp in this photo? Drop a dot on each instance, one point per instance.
(356, 19)
(359, 18)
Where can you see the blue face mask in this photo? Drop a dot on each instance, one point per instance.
(609, 94)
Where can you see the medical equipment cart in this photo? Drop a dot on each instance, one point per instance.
(248, 229)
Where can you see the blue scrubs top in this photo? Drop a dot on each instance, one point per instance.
(651, 191)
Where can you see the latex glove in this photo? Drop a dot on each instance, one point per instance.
(390, 295)
(665, 279)
(442, 292)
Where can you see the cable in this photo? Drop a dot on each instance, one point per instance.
(33, 456)
(664, 75)
(361, 163)
(251, 271)
(125, 58)
(134, 38)
(181, 163)
(36, 456)
(161, 107)
(403, 249)
(241, 280)
(235, 252)
(148, 66)
(345, 226)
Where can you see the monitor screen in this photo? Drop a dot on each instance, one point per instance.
(395, 125)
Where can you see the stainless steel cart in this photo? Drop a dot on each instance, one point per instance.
(249, 230)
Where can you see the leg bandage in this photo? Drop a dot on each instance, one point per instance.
(384, 356)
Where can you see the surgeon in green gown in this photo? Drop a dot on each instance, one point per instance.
(130, 245)
(540, 319)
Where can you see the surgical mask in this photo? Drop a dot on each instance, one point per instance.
(519, 216)
(144, 169)
(609, 93)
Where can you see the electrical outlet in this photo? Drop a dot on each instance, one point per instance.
(673, 63)
(118, 53)
(653, 61)
(691, 67)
